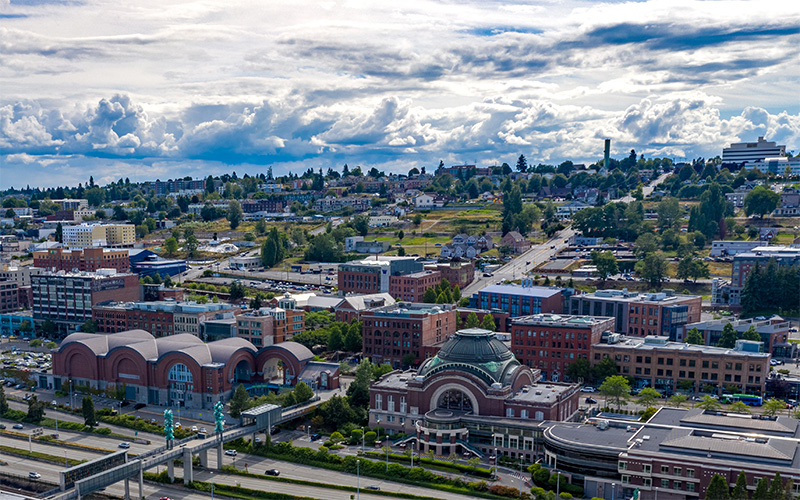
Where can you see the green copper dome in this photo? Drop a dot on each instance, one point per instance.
(475, 351)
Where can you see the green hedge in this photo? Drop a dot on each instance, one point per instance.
(467, 469)
(39, 456)
(130, 422)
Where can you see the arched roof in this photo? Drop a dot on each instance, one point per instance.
(298, 351)
(100, 344)
(474, 351)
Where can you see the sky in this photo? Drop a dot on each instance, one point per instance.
(164, 89)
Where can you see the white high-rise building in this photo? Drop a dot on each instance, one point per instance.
(749, 152)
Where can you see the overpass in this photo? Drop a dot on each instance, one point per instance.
(93, 476)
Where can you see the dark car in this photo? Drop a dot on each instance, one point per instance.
(591, 401)
(272, 472)
(274, 431)
(373, 487)
(315, 436)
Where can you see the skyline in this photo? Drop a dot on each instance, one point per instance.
(164, 90)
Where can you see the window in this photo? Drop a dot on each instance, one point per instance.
(647, 468)
(378, 402)
(179, 373)
(626, 479)
(665, 469)
(509, 412)
(676, 485)
(677, 471)
(689, 472)
(665, 483)
(523, 413)
(622, 465)
(647, 482)
(689, 486)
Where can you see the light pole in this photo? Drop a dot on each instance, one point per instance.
(358, 480)
(412, 454)
(362, 440)
(613, 491)
(656, 497)
(387, 445)
(520, 478)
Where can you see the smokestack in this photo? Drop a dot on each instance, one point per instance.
(606, 152)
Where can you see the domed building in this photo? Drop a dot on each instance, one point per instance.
(474, 398)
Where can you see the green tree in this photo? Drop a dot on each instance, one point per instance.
(3, 401)
(302, 392)
(400, 235)
(762, 489)
(728, 337)
(335, 340)
(239, 401)
(580, 369)
(358, 390)
(89, 326)
(717, 489)
(669, 213)
(472, 320)
(652, 268)
(409, 359)
(236, 291)
(648, 397)
(695, 337)
(429, 297)
(606, 264)
(171, 246)
(645, 244)
(59, 234)
(751, 334)
(235, 213)
(776, 488)
(607, 367)
(337, 412)
(210, 188)
(417, 220)
(353, 338)
(261, 227)
(616, 390)
(191, 245)
(677, 400)
(772, 406)
(361, 224)
(35, 410)
(25, 328)
(87, 409)
(740, 490)
(761, 201)
(739, 407)
(708, 403)
(487, 322)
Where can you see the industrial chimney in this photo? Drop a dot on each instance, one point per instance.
(606, 152)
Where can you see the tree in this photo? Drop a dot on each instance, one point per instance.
(669, 213)
(3, 401)
(353, 338)
(171, 246)
(677, 400)
(695, 337)
(522, 164)
(429, 297)
(25, 328)
(776, 488)
(302, 393)
(358, 390)
(400, 235)
(606, 264)
(761, 201)
(648, 397)
(645, 244)
(762, 489)
(739, 407)
(235, 213)
(191, 245)
(59, 234)
(35, 410)
(728, 337)
(239, 401)
(47, 328)
(472, 320)
(751, 334)
(652, 268)
(335, 340)
(337, 412)
(87, 409)
(616, 390)
(580, 369)
(236, 291)
(607, 367)
(487, 322)
(89, 326)
(740, 490)
(772, 406)
(409, 359)
(708, 403)
(361, 224)
(717, 489)
(417, 220)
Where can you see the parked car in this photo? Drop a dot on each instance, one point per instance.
(588, 388)
(373, 487)
(315, 436)
(194, 428)
(591, 401)
(272, 472)
(3, 427)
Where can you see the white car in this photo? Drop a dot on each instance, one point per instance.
(230, 453)
(588, 389)
(34, 475)
(124, 445)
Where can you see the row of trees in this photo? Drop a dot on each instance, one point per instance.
(766, 489)
(772, 287)
(442, 293)
(241, 400)
(335, 336)
(727, 339)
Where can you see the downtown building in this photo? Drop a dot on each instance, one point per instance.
(724, 292)
(97, 235)
(640, 314)
(551, 342)
(162, 318)
(82, 259)
(740, 153)
(774, 332)
(374, 275)
(403, 330)
(519, 300)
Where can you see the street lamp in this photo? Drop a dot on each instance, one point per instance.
(412, 453)
(362, 440)
(387, 445)
(358, 480)
(613, 491)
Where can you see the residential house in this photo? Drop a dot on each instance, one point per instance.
(516, 242)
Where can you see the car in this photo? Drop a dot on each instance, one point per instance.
(18, 426)
(3, 427)
(124, 445)
(165, 498)
(139, 406)
(272, 472)
(27, 397)
(274, 431)
(195, 429)
(153, 421)
(203, 430)
(316, 436)
(34, 475)
(230, 453)
(588, 389)
(373, 487)
(487, 275)
(591, 401)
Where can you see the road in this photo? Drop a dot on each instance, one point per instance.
(647, 190)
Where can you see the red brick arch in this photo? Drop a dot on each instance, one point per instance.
(240, 355)
(79, 362)
(290, 362)
(128, 361)
(164, 365)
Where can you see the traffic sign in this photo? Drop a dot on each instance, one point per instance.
(37, 432)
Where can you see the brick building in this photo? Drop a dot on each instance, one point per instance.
(457, 272)
(9, 296)
(394, 331)
(774, 332)
(669, 366)
(640, 314)
(66, 299)
(373, 275)
(86, 259)
(519, 300)
(412, 287)
(551, 342)
(161, 318)
(263, 205)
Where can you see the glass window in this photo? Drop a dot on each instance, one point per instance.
(179, 373)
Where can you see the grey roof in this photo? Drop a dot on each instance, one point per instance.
(299, 351)
(743, 423)
(708, 444)
(528, 291)
(357, 301)
(315, 368)
(615, 438)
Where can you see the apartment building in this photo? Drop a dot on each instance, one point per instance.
(9, 296)
(394, 331)
(519, 300)
(640, 314)
(774, 332)
(161, 318)
(66, 299)
(373, 275)
(96, 235)
(270, 325)
(667, 366)
(412, 287)
(20, 275)
(72, 204)
(551, 342)
(82, 259)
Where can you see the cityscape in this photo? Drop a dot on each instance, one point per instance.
(524, 250)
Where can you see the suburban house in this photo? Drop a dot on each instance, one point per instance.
(516, 242)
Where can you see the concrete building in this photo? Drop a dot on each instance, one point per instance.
(96, 235)
(85, 259)
(669, 366)
(519, 300)
(162, 318)
(404, 329)
(381, 220)
(66, 299)
(372, 275)
(722, 248)
(336, 204)
(774, 333)
(352, 306)
(472, 398)
(19, 275)
(740, 153)
(412, 287)
(551, 342)
(245, 263)
(640, 314)
(72, 204)
(182, 370)
(725, 292)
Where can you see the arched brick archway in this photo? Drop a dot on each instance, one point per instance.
(467, 390)
(79, 362)
(292, 364)
(241, 356)
(166, 363)
(124, 365)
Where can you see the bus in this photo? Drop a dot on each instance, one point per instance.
(748, 399)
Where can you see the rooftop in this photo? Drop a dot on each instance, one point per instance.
(541, 393)
(528, 291)
(652, 343)
(408, 309)
(649, 298)
(561, 320)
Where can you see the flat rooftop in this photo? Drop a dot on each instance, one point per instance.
(642, 344)
(528, 291)
(561, 320)
(407, 309)
(613, 437)
(648, 298)
(540, 393)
